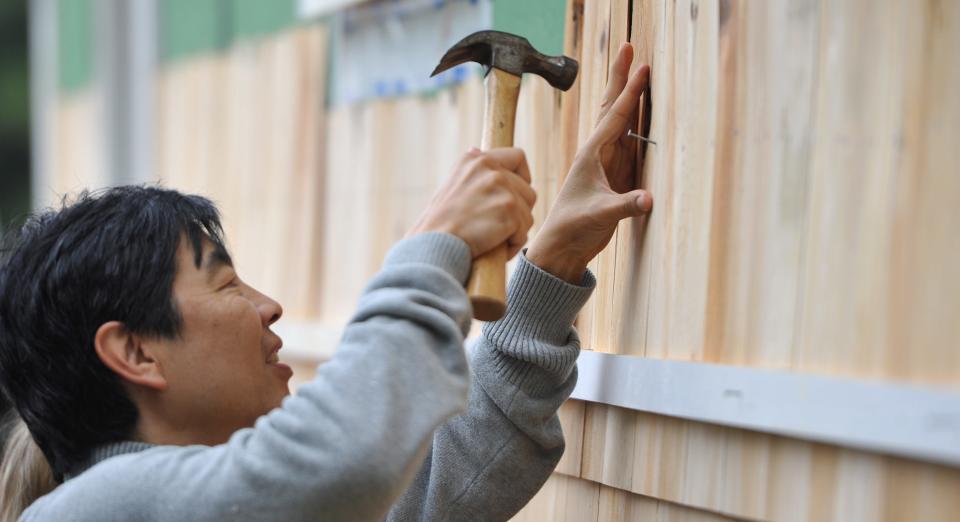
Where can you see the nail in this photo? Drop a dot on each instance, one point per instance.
(632, 134)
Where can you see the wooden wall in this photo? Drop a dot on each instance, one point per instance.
(805, 169)
(807, 194)
(245, 128)
(79, 162)
(386, 158)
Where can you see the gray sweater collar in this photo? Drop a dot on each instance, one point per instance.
(102, 453)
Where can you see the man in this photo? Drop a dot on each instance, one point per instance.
(148, 375)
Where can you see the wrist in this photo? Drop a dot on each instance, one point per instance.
(562, 267)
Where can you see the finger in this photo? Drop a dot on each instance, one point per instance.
(471, 154)
(629, 204)
(516, 241)
(512, 159)
(522, 215)
(523, 189)
(619, 72)
(616, 122)
(524, 219)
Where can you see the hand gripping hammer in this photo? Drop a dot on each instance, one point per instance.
(507, 56)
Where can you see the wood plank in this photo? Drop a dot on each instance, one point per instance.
(867, 202)
(571, 414)
(573, 499)
(593, 75)
(762, 168)
(851, 189)
(605, 305)
(563, 499)
(745, 474)
(633, 261)
(570, 101)
(679, 174)
(619, 505)
(608, 440)
(924, 282)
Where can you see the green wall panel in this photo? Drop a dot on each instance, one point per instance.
(258, 17)
(540, 21)
(74, 43)
(190, 27)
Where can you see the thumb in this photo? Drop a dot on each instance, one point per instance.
(629, 204)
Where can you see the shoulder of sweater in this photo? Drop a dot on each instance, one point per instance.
(99, 488)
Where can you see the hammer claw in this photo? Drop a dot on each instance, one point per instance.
(512, 54)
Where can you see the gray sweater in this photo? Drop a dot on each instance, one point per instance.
(397, 425)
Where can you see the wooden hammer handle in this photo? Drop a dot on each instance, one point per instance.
(487, 287)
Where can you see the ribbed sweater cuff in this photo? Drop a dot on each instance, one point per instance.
(435, 248)
(540, 312)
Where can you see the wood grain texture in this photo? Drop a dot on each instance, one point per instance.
(592, 79)
(565, 498)
(762, 168)
(571, 414)
(385, 159)
(606, 306)
(756, 476)
(803, 188)
(884, 306)
(621, 506)
(244, 128)
(570, 102)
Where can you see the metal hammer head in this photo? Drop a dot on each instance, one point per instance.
(510, 53)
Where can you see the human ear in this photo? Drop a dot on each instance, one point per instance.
(128, 357)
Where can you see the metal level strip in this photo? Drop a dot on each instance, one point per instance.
(878, 416)
(905, 420)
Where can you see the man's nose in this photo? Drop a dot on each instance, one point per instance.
(270, 310)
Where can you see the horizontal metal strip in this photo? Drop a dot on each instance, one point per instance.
(884, 417)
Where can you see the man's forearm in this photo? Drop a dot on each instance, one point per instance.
(487, 462)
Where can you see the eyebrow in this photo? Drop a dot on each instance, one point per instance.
(216, 259)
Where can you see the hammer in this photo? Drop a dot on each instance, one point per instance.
(507, 57)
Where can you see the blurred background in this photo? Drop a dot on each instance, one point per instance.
(14, 114)
(805, 173)
(252, 103)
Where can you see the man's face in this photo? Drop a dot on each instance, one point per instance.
(222, 372)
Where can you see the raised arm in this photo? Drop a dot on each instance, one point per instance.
(487, 463)
(349, 443)
(344, 447)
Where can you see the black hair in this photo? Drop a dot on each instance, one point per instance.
(105, 256)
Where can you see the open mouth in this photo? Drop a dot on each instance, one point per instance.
(274, 356)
